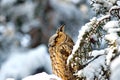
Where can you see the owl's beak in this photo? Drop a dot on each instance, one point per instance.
(50, 45)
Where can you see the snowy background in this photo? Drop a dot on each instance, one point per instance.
(26, 25)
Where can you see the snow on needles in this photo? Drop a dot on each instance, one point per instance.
(98, 65)
(110, 25)
(111, 37)
(93, 69)
(83, 30)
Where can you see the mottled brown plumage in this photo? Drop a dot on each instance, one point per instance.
(60, 47)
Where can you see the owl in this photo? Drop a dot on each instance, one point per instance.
(60, 47)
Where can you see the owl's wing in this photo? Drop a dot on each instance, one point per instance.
(65, 49)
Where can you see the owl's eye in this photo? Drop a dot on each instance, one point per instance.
(60, 35)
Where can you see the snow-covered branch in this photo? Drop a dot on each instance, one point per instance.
(92, 63)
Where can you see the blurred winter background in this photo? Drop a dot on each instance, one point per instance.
(25, 28)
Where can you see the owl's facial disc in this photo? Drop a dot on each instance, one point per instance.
(52, 40)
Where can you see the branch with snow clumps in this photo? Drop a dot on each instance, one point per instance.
(87, 65)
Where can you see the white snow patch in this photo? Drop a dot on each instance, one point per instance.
(115, 69)
(10, 79)
(22, 64)
(111, 37)
(115, 63)
(93, 69)
(103, 17)
(109, 56)
(118, 3)
(111, 24)
(39, 76)
(42, 76)
(112, 27)
(25, 41)
(97, 52)
(115, 7)
(113, 30)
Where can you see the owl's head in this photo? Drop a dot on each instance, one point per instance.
(58, 37)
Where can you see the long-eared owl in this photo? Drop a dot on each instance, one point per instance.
(60, 47)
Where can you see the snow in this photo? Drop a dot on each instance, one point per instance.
(7, 32)
(109, 56)
(10, 79)
(115, 63)
(74, 1)
(10, 30)
(25, 41)
(113, 30)
(102, 7)
(93, 69)
(111, 24)
(2, 18)
(2, 29)
(103, 17)
(83, 30)
(111, 37)
(28, 25)
(65, 9)
(7, 2)
(115, 7)
(115, 69)
(118, 3)
(39, 76)
(112, 1)
(22, 64)
(97, 52)
(112, 27)
(104, 56)
(42, 76)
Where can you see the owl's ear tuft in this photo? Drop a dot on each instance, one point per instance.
(61, 29)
